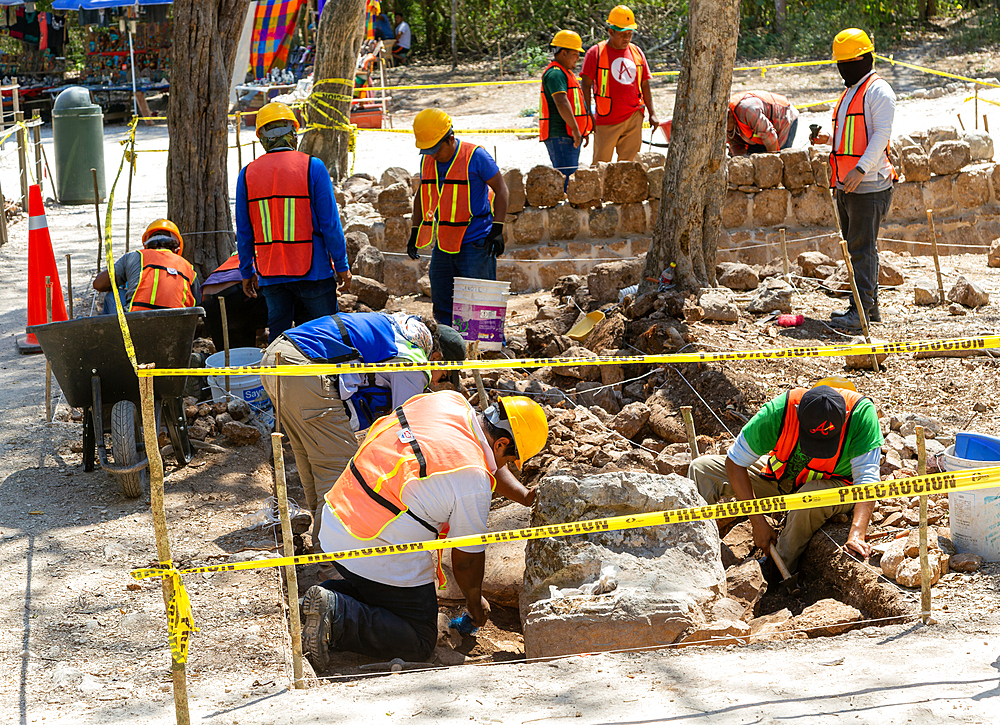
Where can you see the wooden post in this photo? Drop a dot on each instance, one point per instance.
(986, 124)
(278, 361)
(3, 219)
(177, 669)
(48, 170)
(97, 210)
(784, 255)
(36, 136)
(473, 354)
(225, 335)
(691, 433)
(960, 121)
(22, 156)
(48, 365)
(976, 114)
(69, 284)
(291, 579)
(925, 567)
(454, 36)
(128, 198)
(239, 149)
(937, 258)
(862, 315)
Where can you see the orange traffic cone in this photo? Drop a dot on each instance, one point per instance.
(41, 264)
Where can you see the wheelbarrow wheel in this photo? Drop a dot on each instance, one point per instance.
(124, 434)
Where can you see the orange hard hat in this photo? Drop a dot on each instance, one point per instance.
(164, 225)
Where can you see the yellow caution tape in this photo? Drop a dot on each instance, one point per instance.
(965, 343)
(180, 617)
(982, 100)
(921, 68)
(816, 103)
(129, 154)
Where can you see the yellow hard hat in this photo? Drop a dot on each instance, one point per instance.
(527, 424)
(851, 43)
(567, 39)
(430, 126)
(275, 111)
(837, 381)
(164, 225)
(622, 17)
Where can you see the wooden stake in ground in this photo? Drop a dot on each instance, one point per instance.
(691, 433)
(986, 124)
(225, 335)
(3, 214)
(976, 114)
(69, 284)
(784, 255)
(36, 137)
(291, 579)
(960, 121)
(48, 365)
(278, 361)
(862, 315)
(937, 257)
(177, 669)
(22, 154)
(925, 567)
(128, 197)
(97, 211)
(473, 354)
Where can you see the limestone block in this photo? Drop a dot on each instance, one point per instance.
(397, 233)
(369, 263)
(772, 626)
(770, 207)
(894, 152)
(585, 188)
(604, 222)
(893, 557)
(775, 294)
(908, 573)
(936, 134)
(980, 145)
(941, 193)
(564, 222)
(356, 241)
(516, 274)
(812, 207)
(605, 279)
(530, 226)
(370, 292)
(651, 159)
(963, 234)
(550, 273)
(889, 272)
(655, 178)
(767, 170)
(916, 164)
(633, 219)
(736, 209)
(798, 170)
(395, 175)
(993, 258)
(948, 157)
(625, 182)
(736, 275)
(745, 583)
(630, 419)
(515, 189)
(544, 186)
(826, 618)
(717, 308)
(740, 171)
(821, 172)
(395, 200)
(972, 188)
(968, 293)
(925, 292)
(908, 202)
(811, 261)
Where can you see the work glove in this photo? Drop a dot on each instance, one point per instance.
(411, 246)
(494, 240)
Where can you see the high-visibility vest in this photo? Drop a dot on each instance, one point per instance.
(584, 122)
(816, 467)
(769, 99)
(165, 282)
(854, 140)
(446, 204)
(602, 89)
(429, 434)
(280, 213)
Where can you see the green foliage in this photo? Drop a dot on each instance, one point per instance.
(979, 30)
(532, 59)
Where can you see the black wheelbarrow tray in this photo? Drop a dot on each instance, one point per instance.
(88, 358)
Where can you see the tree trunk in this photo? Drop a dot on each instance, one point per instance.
(780, 8)
(337, 44)
(203, 51)
(694, 180)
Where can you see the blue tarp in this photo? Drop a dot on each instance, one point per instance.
(97, 4)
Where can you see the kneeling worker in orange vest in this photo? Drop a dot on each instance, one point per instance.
(564, 121)
(803, 440)
(760, 122)
(155, 277)
(428, 469)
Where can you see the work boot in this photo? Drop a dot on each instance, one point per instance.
(851, 321)
(873, 316)
(319, 607)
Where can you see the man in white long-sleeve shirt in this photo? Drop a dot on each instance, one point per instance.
(803, 440)
(860, 166)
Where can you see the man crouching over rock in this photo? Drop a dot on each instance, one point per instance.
(824, 437)
(426, 470)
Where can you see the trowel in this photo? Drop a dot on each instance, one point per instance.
(789, 581)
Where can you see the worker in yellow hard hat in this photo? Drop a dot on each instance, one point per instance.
(860, 167)
(564, 121)
(616, 73)
(459, 211)
(154, 277)
(291, 245)
(436, 463)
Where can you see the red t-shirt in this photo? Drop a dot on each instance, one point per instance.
(623, 85)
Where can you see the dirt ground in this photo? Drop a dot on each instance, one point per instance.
(82, 643)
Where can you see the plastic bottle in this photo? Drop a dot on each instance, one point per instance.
(667, 276)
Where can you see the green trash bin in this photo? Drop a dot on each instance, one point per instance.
(78, 139)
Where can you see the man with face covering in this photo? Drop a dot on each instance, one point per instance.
(860, 166)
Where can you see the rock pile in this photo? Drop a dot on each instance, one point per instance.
(230, 420)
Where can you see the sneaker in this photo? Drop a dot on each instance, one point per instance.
(850, 321)
(318, 608)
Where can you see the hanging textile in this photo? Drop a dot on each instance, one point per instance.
(273, 25)
(372, 10)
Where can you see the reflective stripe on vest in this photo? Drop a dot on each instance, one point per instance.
(769, 99)
(165, 282)
(429, 434)
(854, 140)
(789, 438)
(281, 213)
(584, 122)
(602, 92)
(446, 203)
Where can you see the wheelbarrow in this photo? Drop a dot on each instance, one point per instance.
(88, 358)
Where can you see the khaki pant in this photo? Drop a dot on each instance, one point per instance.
(709, 475)
(625, 136)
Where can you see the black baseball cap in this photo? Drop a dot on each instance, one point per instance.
(452, 349)
(822, 413)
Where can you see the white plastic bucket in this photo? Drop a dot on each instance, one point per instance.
(479, 309)
(974, 515)
(245, 387)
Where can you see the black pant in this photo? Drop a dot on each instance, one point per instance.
(860, 218)
(245, 316)
(380, 620)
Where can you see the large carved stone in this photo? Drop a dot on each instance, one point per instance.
(625, 182)
(395, 200)
(564, 222)
(916, 164)
(908, 202)
(515, 190)
(604, 222)
(972, 188)
(544, 186)
(767, 170)
(812, 206)
(740, 171)
(736, 209)
(633, 219)
(948, 157)
(770, 207)
(530, 226)
(798, 170)
(585, 188)
(607, 278)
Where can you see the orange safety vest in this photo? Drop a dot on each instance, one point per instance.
(281, 213)
(165, 282)
(816, 467)
(602, 91)
(854, 140)
(429, 434)
(772, 99)
(584, 122)
(446, 204)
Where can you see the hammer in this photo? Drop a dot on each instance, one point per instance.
(789, 582)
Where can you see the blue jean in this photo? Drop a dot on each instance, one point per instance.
(564, 156)
(108, 308)
(315, 299)
(380, 620)
(471, 261)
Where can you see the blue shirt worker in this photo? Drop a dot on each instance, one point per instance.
(460, 209)
(288, 232)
